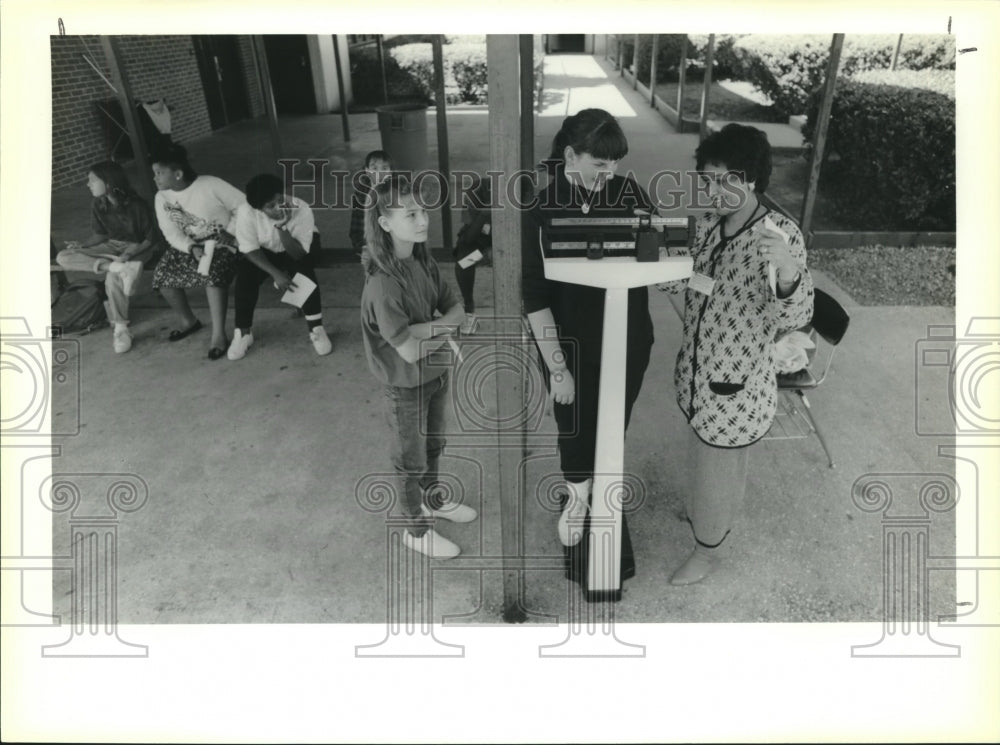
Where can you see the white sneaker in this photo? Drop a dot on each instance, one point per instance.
(469, 324)
(431, 544)
(121, 339)
(130, 273)
(321, 342)
(239, 346)
(455, 512)
(571, 522)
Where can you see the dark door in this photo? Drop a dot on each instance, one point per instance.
(222, 79)
(291, 75)
(562, 43)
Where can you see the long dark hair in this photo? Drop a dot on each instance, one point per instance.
(591, 131)
(379, 253)
(115, 182)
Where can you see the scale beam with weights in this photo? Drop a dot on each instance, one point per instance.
(615, 253)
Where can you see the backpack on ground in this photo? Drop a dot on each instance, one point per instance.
(79, 307)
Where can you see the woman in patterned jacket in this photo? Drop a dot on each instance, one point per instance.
(749, 283)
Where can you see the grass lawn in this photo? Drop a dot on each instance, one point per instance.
(724, 102)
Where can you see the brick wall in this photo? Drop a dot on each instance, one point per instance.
(166, 67)
(156, 67)
(77, 131)
(254, 96)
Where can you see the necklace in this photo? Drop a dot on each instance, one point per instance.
(587, 202)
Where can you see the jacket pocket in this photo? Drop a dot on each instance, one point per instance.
(723, 388)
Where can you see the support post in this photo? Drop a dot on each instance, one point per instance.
(619, 55)
(635, 62)
(139, 146)
(345, 122)
(706, 89)
(381, 67)
(442, 137)
(652, 69)
(502, 54)
(526, 48)
(819, 143)
(681, 77)
(895, 55)
(267, 93)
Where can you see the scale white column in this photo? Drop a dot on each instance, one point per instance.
(616, 275)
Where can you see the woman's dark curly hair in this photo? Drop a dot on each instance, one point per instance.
(739, 148)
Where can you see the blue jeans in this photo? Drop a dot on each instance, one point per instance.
(416, 418)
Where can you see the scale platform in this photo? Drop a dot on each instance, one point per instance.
(616, 274)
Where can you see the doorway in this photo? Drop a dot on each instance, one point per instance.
(565, 43)
(291, 74)
(222, 80)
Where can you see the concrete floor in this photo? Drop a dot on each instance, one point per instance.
(254, 468)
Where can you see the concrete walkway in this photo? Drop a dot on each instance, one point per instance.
(255, 468)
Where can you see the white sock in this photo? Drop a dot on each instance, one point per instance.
(119, 325)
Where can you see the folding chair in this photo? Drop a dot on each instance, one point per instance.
(829, 323)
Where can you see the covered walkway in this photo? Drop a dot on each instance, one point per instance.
(255, 467)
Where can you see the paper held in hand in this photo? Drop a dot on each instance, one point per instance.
(205, 263)
(303, 289)
(471, 259)
(772, 274)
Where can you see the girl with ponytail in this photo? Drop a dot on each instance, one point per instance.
(407, 313)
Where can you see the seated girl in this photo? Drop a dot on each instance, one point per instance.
(197, 215)
(124, 236)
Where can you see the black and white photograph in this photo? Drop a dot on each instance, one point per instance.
(521, 365)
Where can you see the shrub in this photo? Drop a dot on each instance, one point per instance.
(668, 57)
(788, 68)
(938, 81)
(923, 51)
(417, 60)
(465, 70)
(467, 63)
(896, 148)
(627, 45)
(725, 62)
(366, 79)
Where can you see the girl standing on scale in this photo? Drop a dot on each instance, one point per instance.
(567, 320)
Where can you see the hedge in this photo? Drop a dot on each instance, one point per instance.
(938, 81)
(668, 57)
(465, 69)
(366, 79)
(417, 60)
(788, 68)
(894, 142)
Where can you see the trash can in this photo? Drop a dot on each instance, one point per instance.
(404, 135)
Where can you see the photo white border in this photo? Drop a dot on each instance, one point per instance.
(780, 682)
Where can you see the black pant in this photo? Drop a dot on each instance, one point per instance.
(249, 278)
(577, 422)
(466, 279)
